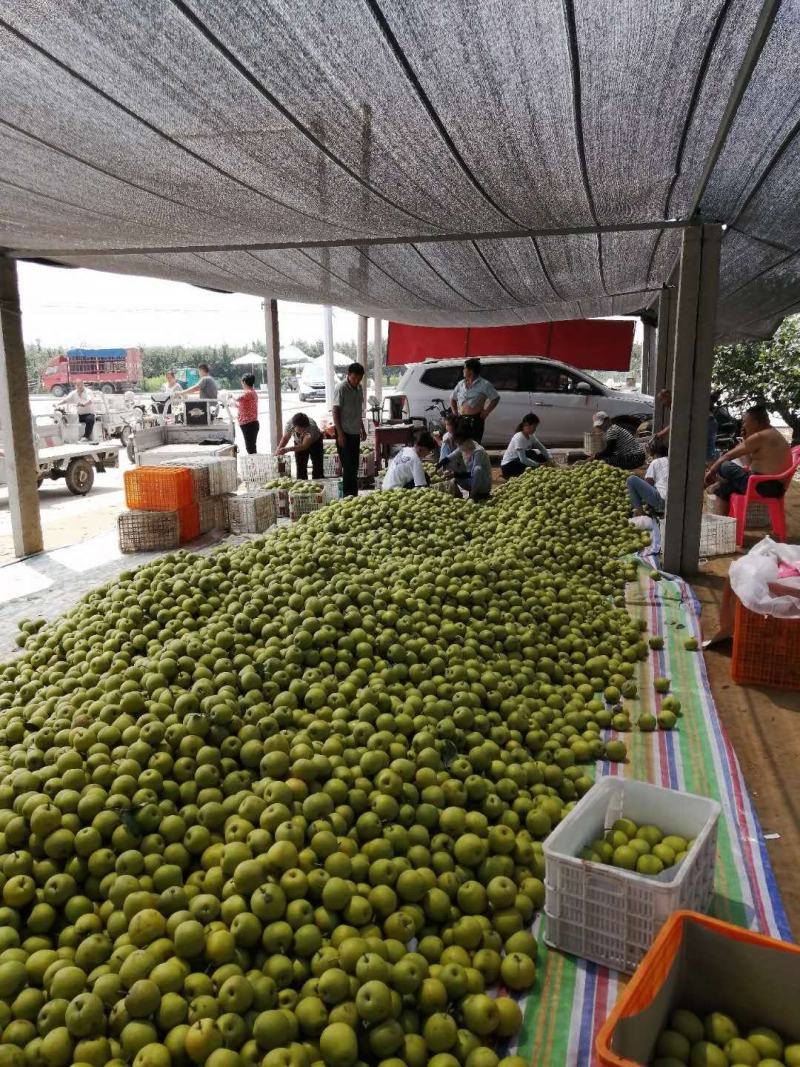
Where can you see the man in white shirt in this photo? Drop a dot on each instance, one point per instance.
(652, 489)
(84, 402)
(474, 399)
(406, 470)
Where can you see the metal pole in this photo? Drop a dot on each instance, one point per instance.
(696, 306)
(662, 372)
(362, 347)
(327, 347)
(15, 420)
(648, 353)
(377, 360)
(273, 368)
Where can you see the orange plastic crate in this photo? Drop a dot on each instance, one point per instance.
(766, 650)
(159, 488)
(189, 523)
(657, 971)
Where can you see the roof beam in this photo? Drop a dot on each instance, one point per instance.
(350, 242)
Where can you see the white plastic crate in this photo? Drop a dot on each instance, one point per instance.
(611, 915)
(252, 512)
(331, 467)
(146, 531)
(257, 469)
(222, 477)
(717, 535)
(213, 513)
(199, 472)
(332, 489)
(593, 442)
(303, 503)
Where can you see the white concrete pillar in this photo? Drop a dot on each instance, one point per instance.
(15, 419)
(327, 348)
(273, 369)
(377, 359)
(362, 349)
(695, 318)
(648, 356)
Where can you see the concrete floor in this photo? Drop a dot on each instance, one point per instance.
(764, 728)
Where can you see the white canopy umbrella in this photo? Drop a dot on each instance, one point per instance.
(250, 359)
(293, 356)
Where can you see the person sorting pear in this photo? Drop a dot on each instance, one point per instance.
(406, 470)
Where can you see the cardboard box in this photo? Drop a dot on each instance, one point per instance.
(704, 965)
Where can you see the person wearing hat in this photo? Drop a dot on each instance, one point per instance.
(474, 399)
(620, 447)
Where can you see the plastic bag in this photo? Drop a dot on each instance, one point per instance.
(750, 577)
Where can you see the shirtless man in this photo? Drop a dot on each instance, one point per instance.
(767, 453)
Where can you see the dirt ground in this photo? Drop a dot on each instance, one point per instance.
(764, 727)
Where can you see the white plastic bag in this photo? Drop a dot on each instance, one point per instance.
(750, 577)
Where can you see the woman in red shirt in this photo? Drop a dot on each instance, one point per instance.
(247, 410)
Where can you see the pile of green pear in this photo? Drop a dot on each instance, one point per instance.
(283, 805)
(718, 1041)
(644, 849)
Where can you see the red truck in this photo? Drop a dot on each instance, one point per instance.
(111, 370)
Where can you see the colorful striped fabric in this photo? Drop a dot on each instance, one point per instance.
(572, 998)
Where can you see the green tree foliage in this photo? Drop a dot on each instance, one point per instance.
(764, 372)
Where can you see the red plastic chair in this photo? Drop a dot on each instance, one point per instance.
(739, 502)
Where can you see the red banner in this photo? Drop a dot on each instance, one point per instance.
(594, 344)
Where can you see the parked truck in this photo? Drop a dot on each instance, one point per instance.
(111, 370)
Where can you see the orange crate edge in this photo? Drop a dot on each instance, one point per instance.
(650, 974)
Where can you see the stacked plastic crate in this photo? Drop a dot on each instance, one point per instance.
(164, 511)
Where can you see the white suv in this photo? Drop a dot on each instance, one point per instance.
(563, 397)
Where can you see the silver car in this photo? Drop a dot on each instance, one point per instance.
(564, 398)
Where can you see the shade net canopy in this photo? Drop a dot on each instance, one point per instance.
(450, 163)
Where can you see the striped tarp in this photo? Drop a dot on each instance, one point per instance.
(572, 998)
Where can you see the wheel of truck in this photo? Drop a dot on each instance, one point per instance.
(58, 390)
(79, 477)
(130, 450)
(106, 387)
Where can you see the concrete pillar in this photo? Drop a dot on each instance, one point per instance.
(273, 369)
(648, 356)
(377, 359)
(15, 419)
(327, 348)
(665, 347)
(362, 349)
(696, 306)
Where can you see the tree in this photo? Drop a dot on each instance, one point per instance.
(764, 372)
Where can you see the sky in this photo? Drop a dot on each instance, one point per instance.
(91, 309)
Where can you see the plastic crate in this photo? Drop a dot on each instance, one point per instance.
(698, 963)
(252, 512)
(717, 535)
(257, 469)
(213, 513)
(766, 649)
(158, 488)
(189, 523)
(593, 442)
(610, 915)
(304, 503)
(198, 472)
(147, 531)
(366, 465)
(332, 488)
(331, 467)
(222, 476)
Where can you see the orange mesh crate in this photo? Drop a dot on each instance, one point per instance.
(766, 649)
(189, 522)
(697, 962)
(159, 488)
